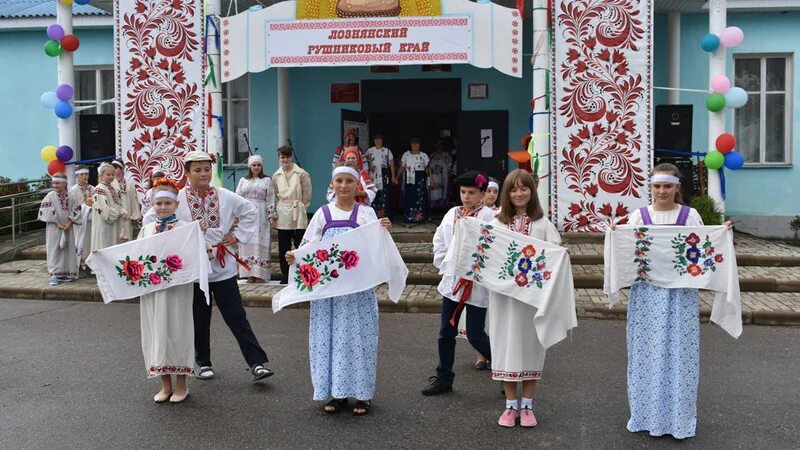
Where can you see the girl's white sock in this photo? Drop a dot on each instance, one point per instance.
(512, 404)
(527, 403)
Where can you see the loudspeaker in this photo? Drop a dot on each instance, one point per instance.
(673, 129)
(690, 183)
(97, 135)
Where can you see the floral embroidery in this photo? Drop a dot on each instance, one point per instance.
(253, 261)
(197, 207)
(484, 241)
(133, 270)
(691, 259)
(322, 266)
(643, 243)
(523, 375)
(108, 191)
(171, 370)
(524, 266)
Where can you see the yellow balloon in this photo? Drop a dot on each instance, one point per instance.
(48, 153)
(67, 2)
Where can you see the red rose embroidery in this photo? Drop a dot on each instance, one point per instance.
(133, 269)
(529, 251)
(174, 262)
(710, 251)
(521, 280)
(546, 275)
(718, 258)
(334, 273)
(155, 278)
(322, 255)
(694, 270)
(309, 275)
(693, 239)
(349, 259)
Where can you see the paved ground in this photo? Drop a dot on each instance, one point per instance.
(72, 377)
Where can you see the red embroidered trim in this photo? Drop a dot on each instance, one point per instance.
(171, 370)
(108, 191)
(210, 216)
(511, 376)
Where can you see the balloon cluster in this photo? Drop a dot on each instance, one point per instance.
(59, 41)
(724, 95)
(56, 157)
(59, 100)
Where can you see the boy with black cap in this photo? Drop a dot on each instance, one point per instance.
(456, 292)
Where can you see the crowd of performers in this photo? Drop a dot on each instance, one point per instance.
(663, 324)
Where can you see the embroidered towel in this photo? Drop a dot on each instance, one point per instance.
(529, 270)
(153, 263)
(353, 261)
(676, 257)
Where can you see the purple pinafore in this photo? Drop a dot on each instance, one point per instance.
(343, 334)
(663, 336)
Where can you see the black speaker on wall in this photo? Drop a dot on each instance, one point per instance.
(97, 135)
(673, 130)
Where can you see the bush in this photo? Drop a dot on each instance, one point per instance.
(707, 209)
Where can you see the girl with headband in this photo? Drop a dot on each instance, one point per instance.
(107, 210)
(147, 200)
(60, 210)
(257, 187)
(366, 190)
(83, 191)
(343, 330)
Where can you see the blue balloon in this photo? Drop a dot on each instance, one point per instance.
(49, 99)
(63, 110)
(82, 2)
(736, 97)
(734, 160)
(710, 42)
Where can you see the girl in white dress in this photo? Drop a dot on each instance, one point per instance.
(166, 316)
(147, 200)
(60, 210)
(257, 188)
(517, 354)
(107, 211)
(83, 233)
(129, 200)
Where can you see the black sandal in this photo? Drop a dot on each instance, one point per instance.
(362, 405)
(336, 403)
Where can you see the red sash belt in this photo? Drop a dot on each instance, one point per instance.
(466, 287)
(220, 256)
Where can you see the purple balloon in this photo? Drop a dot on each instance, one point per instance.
(64, 153)
(55, 32)
(65, 92)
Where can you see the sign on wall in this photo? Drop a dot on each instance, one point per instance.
(333, 9)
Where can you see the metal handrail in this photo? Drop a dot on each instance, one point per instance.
(17, 208)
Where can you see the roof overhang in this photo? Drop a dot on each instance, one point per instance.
(38, 23)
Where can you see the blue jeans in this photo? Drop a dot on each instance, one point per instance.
(476, 321)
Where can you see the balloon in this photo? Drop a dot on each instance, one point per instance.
(720, 84)
(64, 153)
(725, 143)
(55, 32)
(48, 153)
(734, 160)
(48, 99)
(714, 160)
(710, 42)
(731, 37)
(56, 166)
(715, 102)
(52, 48)
(736, 97)
(70, 43)
(67, 2)
(63, 110)
(65, 92)
(82, 2)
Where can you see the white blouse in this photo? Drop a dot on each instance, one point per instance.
(666, 217)
(314, 231)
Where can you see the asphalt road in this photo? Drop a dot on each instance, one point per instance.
(72, 376)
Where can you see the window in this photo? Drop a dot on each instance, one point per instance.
(236, 111)
(94, 90)
(763, 126)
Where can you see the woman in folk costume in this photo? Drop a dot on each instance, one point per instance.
(365, 191)
(129, 200)
(147, 200)
(441, 163)
(166, 315)
(382, 171)
(348, 142)
(663, 330)
(415, 166)
(60, 210)
(216, 209)
(518, 355)
(83, 233)
(107, 210)
(492, 194)
(455, 292)
(292, 187)
(343, 330)
(257, 188)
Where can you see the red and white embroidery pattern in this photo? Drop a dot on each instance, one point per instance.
(207, 212)
(601, 102)
(517, 376)
(159, 68)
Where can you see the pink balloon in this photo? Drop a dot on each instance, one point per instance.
(720, 84)
(731, 37)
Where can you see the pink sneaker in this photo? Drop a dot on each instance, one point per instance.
(526, 418)
(508, 419)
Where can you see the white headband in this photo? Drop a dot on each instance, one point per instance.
(492, 184)
(664, 178)
(165, 194)
(81, 171)
(345, 169)
(58, 180)
(255, 158)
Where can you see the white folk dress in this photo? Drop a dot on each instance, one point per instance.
(106, 211)
(130, 202)
(517, 353)
(167, 323)
(293, 193)
(59, 208)
(257, 251)
(83, 232)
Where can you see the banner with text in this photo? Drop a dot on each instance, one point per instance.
(370, 41)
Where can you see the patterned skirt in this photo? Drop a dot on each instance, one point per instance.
(416, 199)
(383, 198)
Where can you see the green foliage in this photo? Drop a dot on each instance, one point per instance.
(795, 224)
(708, 210)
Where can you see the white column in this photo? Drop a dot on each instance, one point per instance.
(541, 78)
(717, 11)
(284, 127)
(66, 74)
(674, 56)
(214, 134)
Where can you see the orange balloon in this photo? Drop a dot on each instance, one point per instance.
(56, 166)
